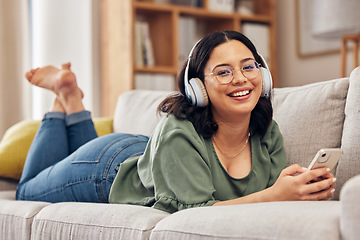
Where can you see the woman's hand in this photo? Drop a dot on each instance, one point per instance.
(316, 184)
(293, 184)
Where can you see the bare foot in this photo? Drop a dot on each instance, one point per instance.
(54, 79)
(61, 81)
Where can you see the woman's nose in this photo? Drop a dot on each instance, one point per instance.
(238, 76)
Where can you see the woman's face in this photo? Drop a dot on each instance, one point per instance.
(239, 97)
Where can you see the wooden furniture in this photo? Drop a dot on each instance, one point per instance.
(117, 39)
(356, 41)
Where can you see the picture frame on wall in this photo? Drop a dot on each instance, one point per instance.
(307, 44)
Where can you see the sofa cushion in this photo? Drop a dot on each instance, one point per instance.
(349, 164)
(310, 117)
(17, 140)
(14, 147)
(274, 220)
(16, 217)
(136, 111)
(95, 221)
(8, 184)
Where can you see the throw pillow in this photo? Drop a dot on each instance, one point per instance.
(17, 140)
(310, 117)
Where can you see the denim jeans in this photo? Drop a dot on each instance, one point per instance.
(68, 162)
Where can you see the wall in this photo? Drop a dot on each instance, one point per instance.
(14, 59)
(292, 69)
(70, 32)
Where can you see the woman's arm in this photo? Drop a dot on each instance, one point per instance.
(289, 187)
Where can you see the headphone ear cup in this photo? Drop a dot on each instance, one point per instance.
(266, 82)
(200, 97)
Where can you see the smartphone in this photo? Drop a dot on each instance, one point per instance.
(326, 157)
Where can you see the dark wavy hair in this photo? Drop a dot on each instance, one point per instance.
(201, 117)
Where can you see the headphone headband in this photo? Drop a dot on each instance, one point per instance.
(194, 88)
(186, 74)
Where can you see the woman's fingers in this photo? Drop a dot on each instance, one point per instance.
(320, 190)
(296, 183)
(292, 170)
(322, 195)
(319, 173)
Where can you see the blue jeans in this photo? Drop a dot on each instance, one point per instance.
(68, 162)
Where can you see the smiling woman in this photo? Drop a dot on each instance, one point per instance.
(232, 102)
(227, 150)
(205, 53)
(232, 79)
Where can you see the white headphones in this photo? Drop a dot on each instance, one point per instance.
(196, 92)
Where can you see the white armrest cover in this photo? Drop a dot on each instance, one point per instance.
(350, 209)
(349, 165)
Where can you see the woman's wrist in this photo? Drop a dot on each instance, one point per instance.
(265, 195)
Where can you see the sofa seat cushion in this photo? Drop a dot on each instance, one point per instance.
(275, 220)
(310, 117)
(16, 217)
(95, 221)
(7, 184)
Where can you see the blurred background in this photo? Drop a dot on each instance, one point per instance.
(34, 33)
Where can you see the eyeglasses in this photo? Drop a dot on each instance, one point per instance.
(225, 74)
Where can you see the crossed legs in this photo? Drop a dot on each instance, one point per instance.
(65, 128)
(67, 161)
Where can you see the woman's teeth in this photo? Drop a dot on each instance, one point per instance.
(240, 94)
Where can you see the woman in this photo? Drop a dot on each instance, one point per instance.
(228, 151)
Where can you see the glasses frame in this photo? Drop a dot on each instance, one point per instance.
(233, 70)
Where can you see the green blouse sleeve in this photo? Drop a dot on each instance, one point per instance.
(180, 172)
(276, 151)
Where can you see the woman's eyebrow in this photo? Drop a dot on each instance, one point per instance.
(247, 59)
(221, 65)
(226, 64)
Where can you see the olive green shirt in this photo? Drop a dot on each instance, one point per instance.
(180, 169)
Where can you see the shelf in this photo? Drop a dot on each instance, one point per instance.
(160, 21)
(255, 18)
(198, 12)
(166, 30)
(157, 69)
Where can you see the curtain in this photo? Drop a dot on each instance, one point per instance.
(15, 92)
(61, 31)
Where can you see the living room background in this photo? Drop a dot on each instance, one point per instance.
(74, 36)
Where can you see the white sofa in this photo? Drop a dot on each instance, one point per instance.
(325, 114)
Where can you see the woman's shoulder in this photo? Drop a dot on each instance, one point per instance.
(274, 126)
(172, 128)
(170, 123)
(273, 129)
(273, 135)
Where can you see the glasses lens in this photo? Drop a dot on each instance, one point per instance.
(223, 74)
(250, 69)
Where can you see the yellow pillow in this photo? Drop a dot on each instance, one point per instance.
(17, 140)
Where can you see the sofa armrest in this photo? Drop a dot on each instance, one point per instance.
(350, 209)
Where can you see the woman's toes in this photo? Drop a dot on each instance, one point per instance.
(66, 66)
(29, 75)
